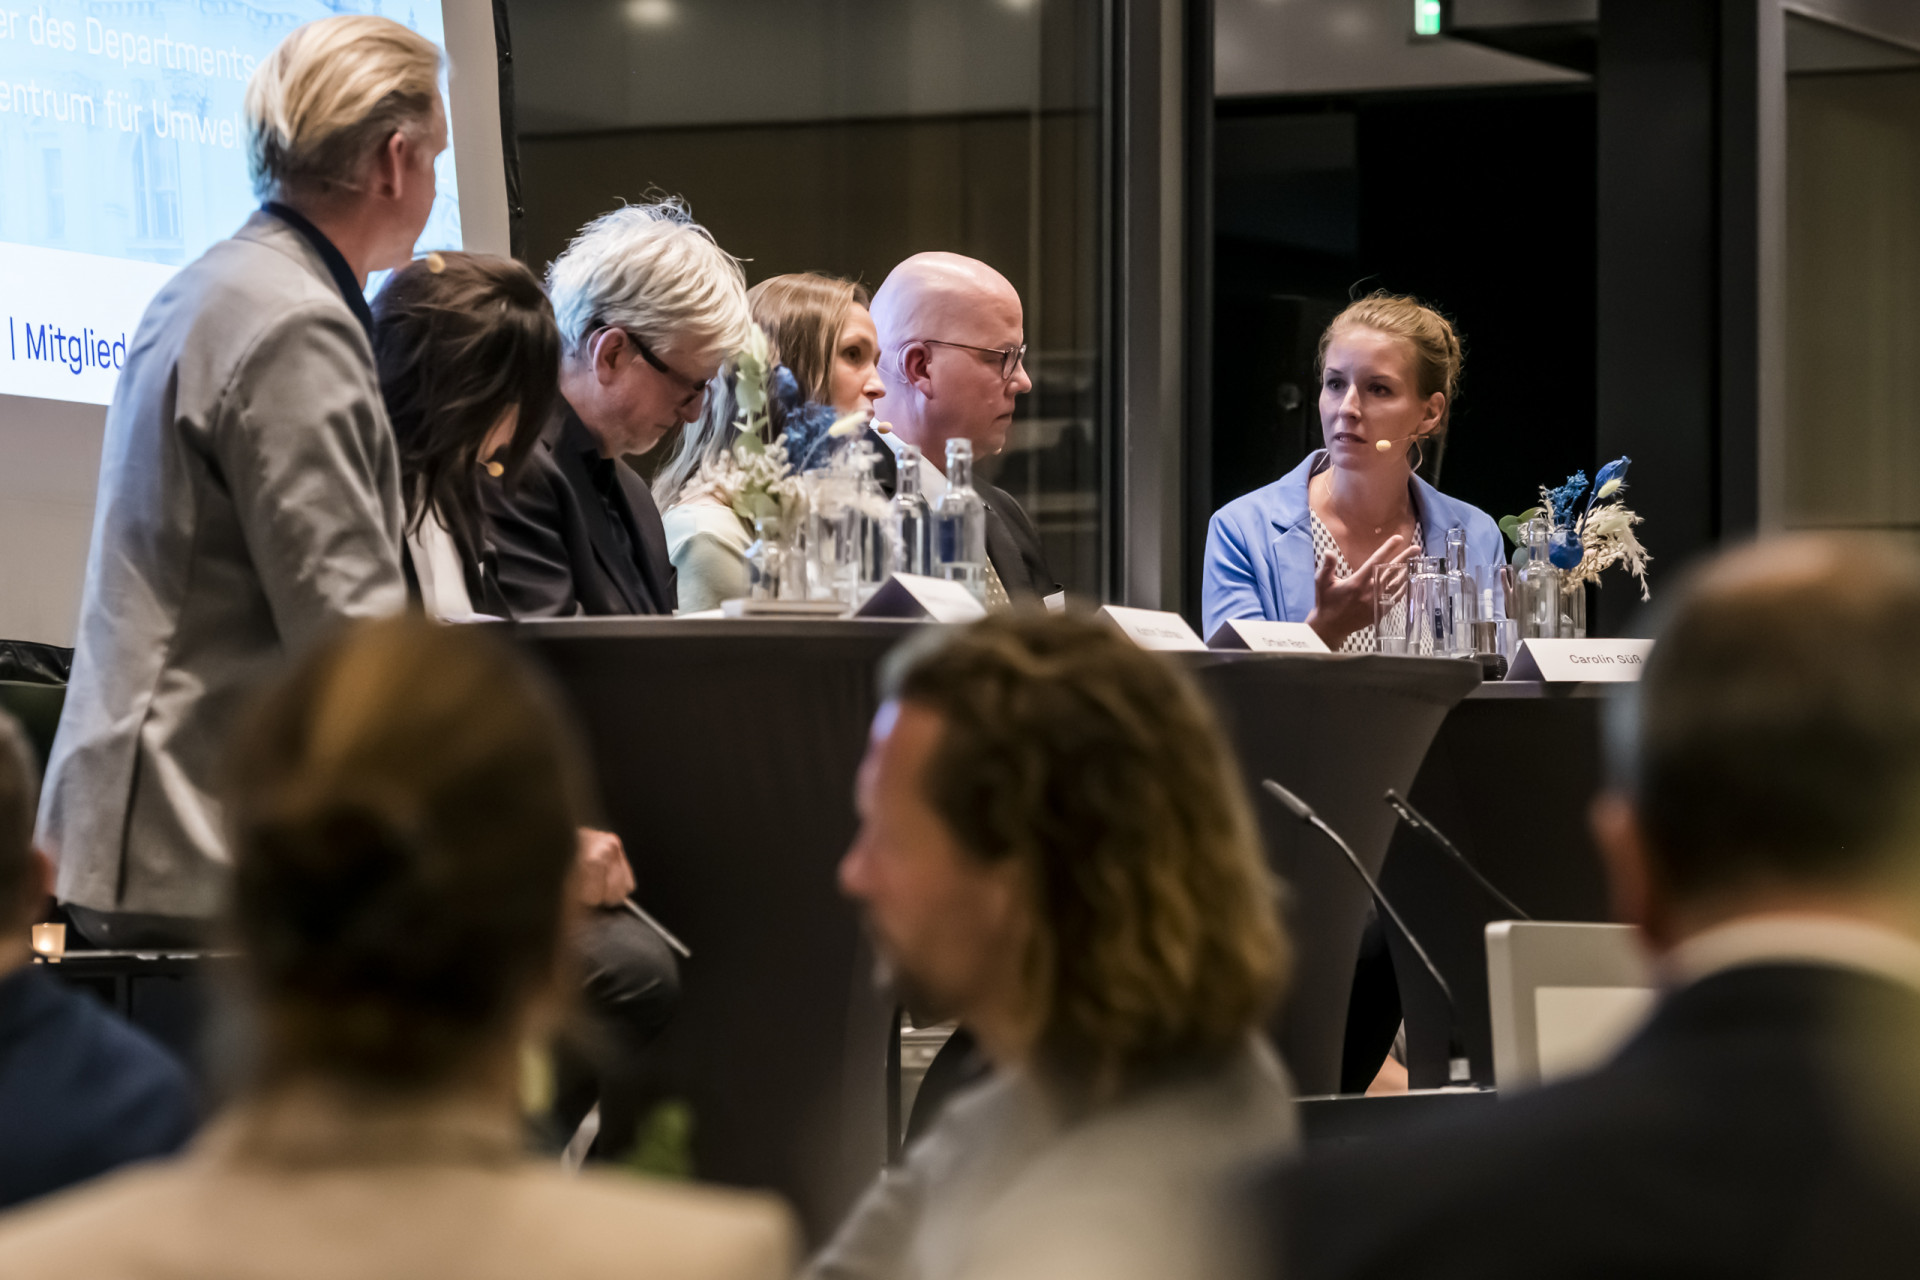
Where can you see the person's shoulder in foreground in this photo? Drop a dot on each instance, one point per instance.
(81, 1092)
(1131, 1081)
(1758, 828)
(214, 1220)
(1720, 1142)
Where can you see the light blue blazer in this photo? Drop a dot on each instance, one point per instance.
(1260, 547)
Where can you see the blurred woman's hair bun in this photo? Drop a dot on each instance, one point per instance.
(403, 811)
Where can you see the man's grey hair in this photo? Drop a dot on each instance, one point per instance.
(652, 270)
(330, 95)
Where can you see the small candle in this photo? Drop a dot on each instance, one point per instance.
(50, 940)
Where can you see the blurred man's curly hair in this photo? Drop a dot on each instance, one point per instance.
(1102, 770)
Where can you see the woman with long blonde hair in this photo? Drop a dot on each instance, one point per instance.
(818, 327)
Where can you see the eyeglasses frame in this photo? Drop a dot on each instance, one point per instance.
(695, 389)
(1011, 358)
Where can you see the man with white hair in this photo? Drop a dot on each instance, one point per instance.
(649, 308)
(953, 357)
(249, 493)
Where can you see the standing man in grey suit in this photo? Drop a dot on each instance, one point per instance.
(649, 306)
(953, 349)
(249, 492)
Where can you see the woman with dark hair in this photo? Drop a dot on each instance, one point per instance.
(469, 362)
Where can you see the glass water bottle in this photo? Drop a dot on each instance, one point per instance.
(1539, 588)
(960, 524)
(910, 517)
(872, 523)
(1463, 608)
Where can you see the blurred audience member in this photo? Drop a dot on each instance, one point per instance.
(249, 486)
(403, 812)
(1055, 850)
(819, 328)
(1763, 831)
(469, 362)
(648, 307)
(953, 349)
(81, 1092)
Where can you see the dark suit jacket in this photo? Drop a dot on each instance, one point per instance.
(558, 551)
(81, 1092)
(1013, 544)
(1765, 1123)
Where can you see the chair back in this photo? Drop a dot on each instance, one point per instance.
(1563, 997)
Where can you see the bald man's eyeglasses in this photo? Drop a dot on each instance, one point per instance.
(1011, 358)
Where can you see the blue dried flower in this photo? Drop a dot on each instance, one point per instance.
(806, 427)
(1564, 550)
(783, 389)
(1562, 500)
(1611, 480)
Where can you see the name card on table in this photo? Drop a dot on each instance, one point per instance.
(1262, 636)
(913, 595)
(1153, 629)
(1566, 660)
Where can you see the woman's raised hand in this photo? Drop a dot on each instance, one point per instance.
(1342, 606)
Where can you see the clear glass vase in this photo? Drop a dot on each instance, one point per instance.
(775, 569)
(1573, 610)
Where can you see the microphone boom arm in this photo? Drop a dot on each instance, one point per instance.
(1418, 821)
(1458, 1068)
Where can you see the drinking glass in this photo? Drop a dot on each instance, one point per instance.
(1390, 587)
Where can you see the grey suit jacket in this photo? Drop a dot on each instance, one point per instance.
(1004, 1188)
(249, 500)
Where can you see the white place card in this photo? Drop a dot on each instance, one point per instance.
(1558, 661)
(1262, 636)
(1153, 628)
(913, 595)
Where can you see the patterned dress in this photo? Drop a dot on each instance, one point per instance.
(1361, 641)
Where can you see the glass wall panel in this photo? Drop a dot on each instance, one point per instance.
(1852, 430)
(842, 136)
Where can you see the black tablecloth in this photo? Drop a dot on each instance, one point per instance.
(726, 753)
(1337, 731)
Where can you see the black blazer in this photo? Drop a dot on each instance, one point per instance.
(558, 553)
(1765, 1123)
(1013, 544)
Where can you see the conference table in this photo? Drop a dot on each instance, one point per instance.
(726, 754)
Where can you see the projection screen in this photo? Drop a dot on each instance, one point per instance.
(122, 157)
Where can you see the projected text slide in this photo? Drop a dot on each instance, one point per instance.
(122, 158)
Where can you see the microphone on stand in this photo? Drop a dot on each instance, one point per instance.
(1459, 1070)
(1418, 821)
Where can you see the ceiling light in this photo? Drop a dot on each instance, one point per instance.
(652, 13)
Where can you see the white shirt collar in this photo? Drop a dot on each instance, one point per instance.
(1796, 938)
(933, 481)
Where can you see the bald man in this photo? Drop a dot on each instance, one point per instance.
(953, 357)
